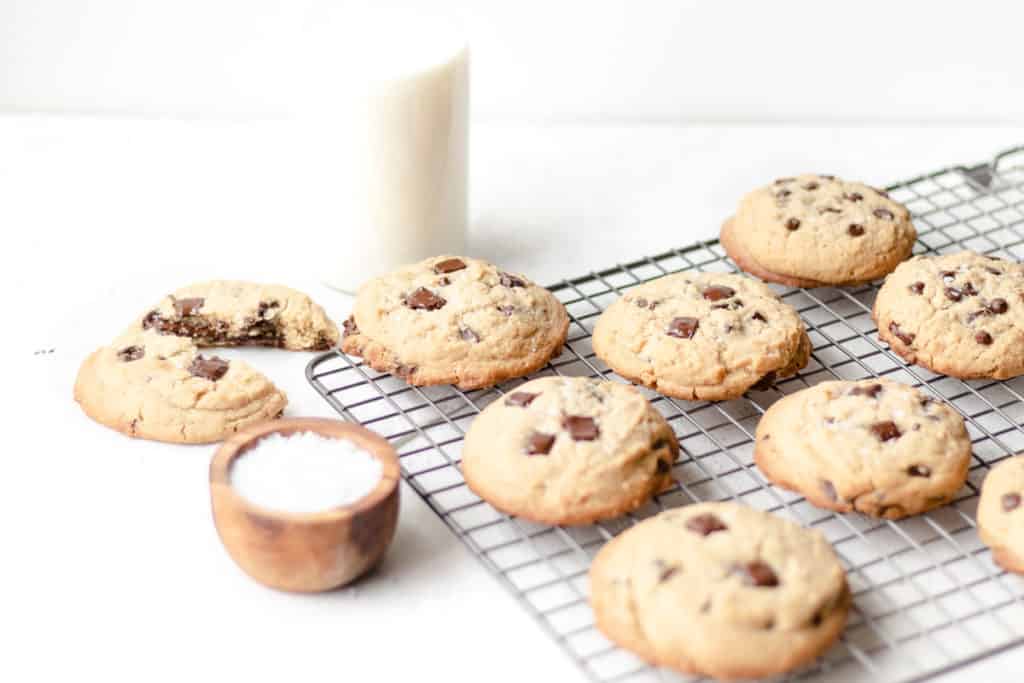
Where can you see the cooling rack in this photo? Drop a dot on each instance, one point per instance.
(927, 597)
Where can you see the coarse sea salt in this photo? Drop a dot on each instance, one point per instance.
(304, 472)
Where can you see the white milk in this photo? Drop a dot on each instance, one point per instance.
(392, 110)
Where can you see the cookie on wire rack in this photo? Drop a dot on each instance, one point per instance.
(817, 230)
(873, 446)
(702, 336)
(720, 590)
(1001, 513)
(959, 314)
(455, 320)
(569, 450)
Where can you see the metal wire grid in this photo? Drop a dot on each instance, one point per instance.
(927, 597)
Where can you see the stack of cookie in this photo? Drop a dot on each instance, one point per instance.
(153, 382)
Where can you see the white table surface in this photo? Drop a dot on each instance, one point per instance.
(114, 568)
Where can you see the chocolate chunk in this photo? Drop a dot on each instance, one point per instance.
(150, 319)
(667, 573)
(853, 196)
(443, 281)
(872, 390)
(507, 310)
(349, 327)
(883, 213)
(520, 398)
(983, 338)
(449, 266)
(792, 223)
(581, 428)
(510, 280)
(997, 306)
(758, 574)
(886, 431)
(423, 298)
(919, 471)
(855, 229)
(953, 294)
(468, 335)
(683, 328)
(717, 293)
(811, 186)
(1011, 501)
(130, 353)
(760, 318)
(706, 524)
(904, 337)
(184, 307)
(540, 443)
(212, 368)
(829, 489)
(917, 287)
(641, 302)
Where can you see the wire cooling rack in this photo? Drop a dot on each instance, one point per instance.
(927, 596)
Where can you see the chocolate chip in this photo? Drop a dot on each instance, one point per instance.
(886, 431)
(953, 294)
(855, 229)
(919, 471)
(779, 181)
(130, 353)
(264, 307)
(829, 209)
(917, 287)
(349, 327)
(853, 196)
(1011, 501)
(760, 318)
(667, 573)
(983, 338)
(792, 223)
(641, 302)
(663, 466)
(872, 390)
(783, 193)
(150, 319)
(758, 574)
(468, 335)
(581, 428)
(829, 489)
(511, 280)
(811, 186)
(994, 271)
(969, 290)
(883, 213)
(449, 266)
(211, 368)
(904, 337)
(717, 293)
(443, 282)
(520, 398)
(997, 306)
(540, 443)
(423, 298)
(184, 307)
(706, 524)
(507, 310)
(882, 192)
(683, 328)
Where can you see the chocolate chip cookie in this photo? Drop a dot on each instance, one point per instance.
(1001, 513)
(230, 313)
(569, 450)
(957, 314)
(159, 386)
(720, 590)
(455, 320)
(873, 446)
(816, 230)
(707, 336)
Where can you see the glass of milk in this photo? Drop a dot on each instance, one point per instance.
(390, 136)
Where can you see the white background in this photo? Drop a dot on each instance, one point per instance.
(627, 60)
(604, 131)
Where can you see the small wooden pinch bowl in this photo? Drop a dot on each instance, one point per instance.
(305, 552)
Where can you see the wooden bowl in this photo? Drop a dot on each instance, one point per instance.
(305, 552)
